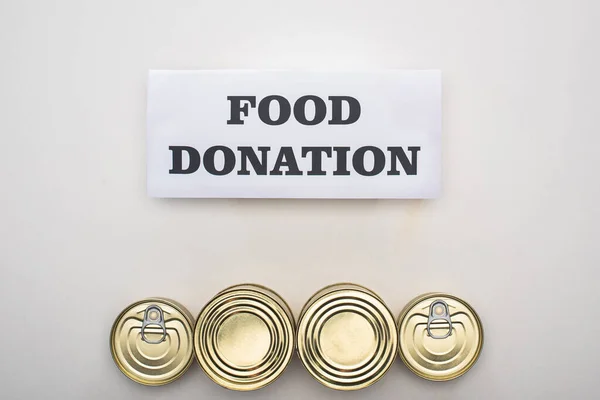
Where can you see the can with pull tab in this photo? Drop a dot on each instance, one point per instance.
(151, 341)
(440, 336)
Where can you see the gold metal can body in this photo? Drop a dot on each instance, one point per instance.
(347, 338)
(151, 341)
(441, 336)
(244, 337)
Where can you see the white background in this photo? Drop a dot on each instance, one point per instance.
(515, 231)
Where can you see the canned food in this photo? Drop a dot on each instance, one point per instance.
(347, 337)
(244, 337)
(152, 341)
(440, 336)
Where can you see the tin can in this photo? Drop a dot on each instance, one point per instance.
(347, 338)
(244, 337)
(440, 336)
(151, 341)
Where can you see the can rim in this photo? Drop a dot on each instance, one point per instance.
(416, 300)
(333, 287)
(179, 307)
(272, 294)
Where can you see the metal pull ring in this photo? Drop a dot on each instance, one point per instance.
(439, 310)
(153, 316)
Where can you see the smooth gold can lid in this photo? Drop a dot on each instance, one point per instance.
(347, 337)
(244, 337)
(440, 336)
(151, 341)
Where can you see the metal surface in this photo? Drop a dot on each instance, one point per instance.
(439, 311)
(244, 337)
(347, 337)
(154, 316)
(440, 336)
(151, 341)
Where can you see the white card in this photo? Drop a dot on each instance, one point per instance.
(290, 134)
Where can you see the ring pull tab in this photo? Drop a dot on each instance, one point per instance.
(153, 316)
(439, 310)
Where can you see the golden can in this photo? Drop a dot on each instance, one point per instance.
(244, 337)
(440, 336)
(152, 341)
(347, 338)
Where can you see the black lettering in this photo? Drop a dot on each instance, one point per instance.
(336, 110)
(317, 160)
(237, 108)
(398, 154)
(285, 110)
(300, 110)
(178, 160)
(342, 160)
(209, 160)
(286, 158)
(248, 154)
(358, 160)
